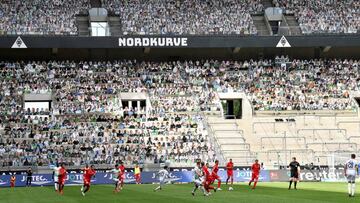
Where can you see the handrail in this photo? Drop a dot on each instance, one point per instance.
(306, 112)
(354, 136)
(261, 122)
(353, 122)
(315, 130)
(261, 143)
(297, 151)
(333, 143)
(240, 132)
(268, 26)
(321, 140)
(273, 123)
(281, 137)
(242, 138)
(287, 24)
(215, 141)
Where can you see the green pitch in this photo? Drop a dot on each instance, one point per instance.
(264, 193)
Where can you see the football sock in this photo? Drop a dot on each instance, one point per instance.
(290, 184)
(349, 188)
(86, 189)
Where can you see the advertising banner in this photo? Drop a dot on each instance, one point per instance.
(179, 177)
(146, 177)
(309, 175)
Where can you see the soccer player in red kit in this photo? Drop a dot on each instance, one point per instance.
(255, 173)
(62, 177)
(208, 178)
(88, 174)
(215, 176)
(84, 171)
(230, 173)
(121, 174)
(12, 181)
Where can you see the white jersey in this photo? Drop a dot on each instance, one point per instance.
(163, 174)
(351, 167)
(56, 173)
(197, 171)
(115, 174)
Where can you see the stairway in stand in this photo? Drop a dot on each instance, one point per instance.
(229, 137)
(260, 24)
(293, 25)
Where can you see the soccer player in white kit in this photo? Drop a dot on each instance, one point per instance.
(115, 177)
(351, 169)
(163, 174)
(198, 178)
(56, 169)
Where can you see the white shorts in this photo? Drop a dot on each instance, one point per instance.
(116, 180)
(198, 182)
(56, 179)
(351, 178)
(162, 181)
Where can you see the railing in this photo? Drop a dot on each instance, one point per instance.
(347, 122)
(306, 112)
(283, 157)
(353, 137)
(339, 145)
(273, 126)
(271, 142)
(215, 141)
(268, 26)
(240, 137)
(283, 140)
(315, 131)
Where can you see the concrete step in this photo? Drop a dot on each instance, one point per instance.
(228, 135)
(234, 147)
(239, 153)
(293, 25)
(83, 25)
(231, 141)
(260, 24)
(115, 25)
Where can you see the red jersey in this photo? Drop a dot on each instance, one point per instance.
(255, 168)
(85, 170)
(121, 170)
(62, 174)
(206, 172)
(230, 166)
(215, 169)
(12, 179)
(88, 173)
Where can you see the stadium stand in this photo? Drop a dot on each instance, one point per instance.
(186, 17)
(169, 17)
(324, 16)
(37, 17)
(89, 123)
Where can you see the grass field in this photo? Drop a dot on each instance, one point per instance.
(264, 193)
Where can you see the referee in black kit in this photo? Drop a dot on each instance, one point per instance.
(29, 174)
(294, 172)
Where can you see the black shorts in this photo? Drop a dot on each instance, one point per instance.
(294, 174)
